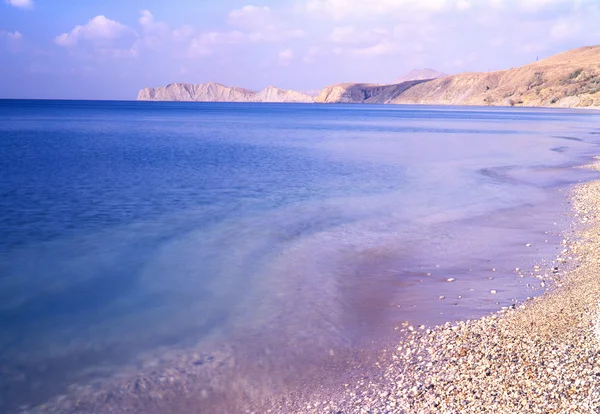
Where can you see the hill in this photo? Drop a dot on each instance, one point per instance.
(215, 92)
(568, 79)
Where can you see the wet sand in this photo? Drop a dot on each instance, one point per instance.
(540, 357)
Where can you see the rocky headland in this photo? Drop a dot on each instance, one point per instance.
(566, 80)
(569, 79)
(215, 92)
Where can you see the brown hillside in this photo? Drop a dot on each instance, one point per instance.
(569, 79)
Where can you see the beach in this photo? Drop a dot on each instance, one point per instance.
(540, 357)
(274, 285)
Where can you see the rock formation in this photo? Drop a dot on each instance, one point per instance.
(214, 92)
(273, 94)
(569, 79)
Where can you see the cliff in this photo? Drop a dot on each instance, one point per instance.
(214, 92)
(273, 94)
(569, 79)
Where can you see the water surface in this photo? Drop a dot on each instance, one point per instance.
(133, 228)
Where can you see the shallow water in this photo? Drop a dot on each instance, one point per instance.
(132, 228)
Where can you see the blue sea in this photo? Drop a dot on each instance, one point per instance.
(135, 233)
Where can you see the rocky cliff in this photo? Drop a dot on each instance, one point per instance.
(214, 92)
(273, 94)
(569, 79)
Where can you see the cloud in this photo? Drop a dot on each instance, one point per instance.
(99, 28)
(23, 4)
(349, 35)
(250, 17)
(251, 24)
(183, 32)
(463, 5)
(149, 23)
(342, 9)
(11, 35)
(261, 25)
(404, 38)
(562, 30)
(361, 9)
(531, 47)
(285, 57)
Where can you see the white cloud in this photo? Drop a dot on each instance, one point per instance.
(285, 57)
(205, 43)
(537, 5)
(11, 35)
(313, 53)
(463, 5)
(275, 35)
(404, 38)
(531, 47)
(563, 30)
(24, 4)
(349, 35)
(149, 23)
(362, 9)
(154, 33)
(99, 28)
(342, 9)
(183, 32)
(250, 17)
(260, 24)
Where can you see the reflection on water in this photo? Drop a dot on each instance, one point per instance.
(131, 230)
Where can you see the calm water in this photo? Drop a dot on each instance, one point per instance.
(131, 229)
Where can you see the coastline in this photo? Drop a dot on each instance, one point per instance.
(188, 373)
(542, 356)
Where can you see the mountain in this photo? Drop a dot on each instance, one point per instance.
(569, 79)
(363, 92)
(215, 92)
(273, 94)
(420, 74)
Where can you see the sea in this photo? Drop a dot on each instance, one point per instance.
(261, 242)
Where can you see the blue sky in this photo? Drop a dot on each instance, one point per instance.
(109, 49)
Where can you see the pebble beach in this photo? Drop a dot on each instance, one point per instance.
(542, 356)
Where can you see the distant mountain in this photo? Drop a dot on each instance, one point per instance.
(215, 92)
(420, 74)
(273, 94)
(569, 79)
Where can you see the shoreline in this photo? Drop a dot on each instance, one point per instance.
(542, 356)
(183, 386)
(188, 373)
(538, 356)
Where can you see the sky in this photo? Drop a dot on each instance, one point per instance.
(110, 49)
